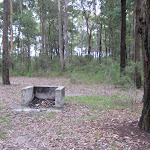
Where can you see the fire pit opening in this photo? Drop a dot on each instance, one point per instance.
(43, 96)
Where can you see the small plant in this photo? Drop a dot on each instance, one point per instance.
(3, 134)
(25, 122)
(4, 121)
(59, 131)
(50, 115)
(36, 117)
(93, 118)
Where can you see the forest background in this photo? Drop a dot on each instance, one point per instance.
(94, 39)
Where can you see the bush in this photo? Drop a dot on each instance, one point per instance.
(80, 70)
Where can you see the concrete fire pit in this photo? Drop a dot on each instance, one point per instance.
(52, 93)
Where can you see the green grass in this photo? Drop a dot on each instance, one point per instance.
(3, 134)
(25, 122)
(50, 115)
(102, 102)
(4, 121)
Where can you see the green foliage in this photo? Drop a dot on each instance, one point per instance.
(103, 102)
(84, 71)
(81, 70)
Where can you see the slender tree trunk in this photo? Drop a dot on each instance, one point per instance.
(105, 42)
(137, 50)
(60, 37)
(89, 43)
(29, 58)
(11, 34)
(21, 39)
(55, 44)
(5, 73)
(129, 55)
(22, 52)
(110, 33)
(100, 45)
(88, 27)
(49, 42)
(66, 32)
(43, 19)
(123, 36)
(109, 50)
(81, 42)
(99, 34)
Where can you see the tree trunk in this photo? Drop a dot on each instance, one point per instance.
(89, 43)
(5, 73)
(22, 52)
(21, 39)
(123, 36)
(11, 34)
(88, 27)
(144, 122)
(66, 32)
(60, 37)
(105, 41)
(100, 45)
(81, 42)
(137, 50)
(145, 65)
(29, 58)
(43, 19)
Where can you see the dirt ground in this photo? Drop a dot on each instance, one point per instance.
(76, 127)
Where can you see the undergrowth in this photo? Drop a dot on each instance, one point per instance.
(103, 102)
(81, 70)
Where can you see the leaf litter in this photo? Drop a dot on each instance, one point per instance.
(76, 127)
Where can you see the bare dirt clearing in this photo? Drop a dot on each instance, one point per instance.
(75, 127)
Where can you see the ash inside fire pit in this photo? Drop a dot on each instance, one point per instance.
(42, 103)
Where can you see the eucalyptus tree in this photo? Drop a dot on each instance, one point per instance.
(87, 7)
(43, 21)
(66, 32)
(137, 48)
(29, 32)
(11, 33)
(130, 33)
(98, 24)
(111, 14)
(144, 19)
(52, 29)
(123, 36)
(60, 37)
(5, 73)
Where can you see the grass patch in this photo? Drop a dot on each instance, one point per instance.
(102, 102)
(25, 123)
(3, 134)
(50, 115)
(4, 121)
